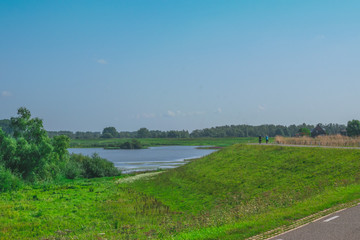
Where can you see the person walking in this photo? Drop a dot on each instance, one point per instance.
(267, 139)
(259, 139)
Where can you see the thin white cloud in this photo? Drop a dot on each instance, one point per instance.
(6, 94)
(178, 113)
(102, 61)
(171, 113)
(261, 107)
(219, 110)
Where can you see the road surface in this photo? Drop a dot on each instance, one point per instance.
(341, 225)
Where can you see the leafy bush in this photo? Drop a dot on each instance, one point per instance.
(304, 131)
(353, 128)
(92, 167)
(73, 169)
(8, 181)
(134, 144)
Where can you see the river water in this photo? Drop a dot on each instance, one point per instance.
(146, 159)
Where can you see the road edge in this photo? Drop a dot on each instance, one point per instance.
(304, 221)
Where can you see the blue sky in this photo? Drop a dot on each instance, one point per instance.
(86, 65)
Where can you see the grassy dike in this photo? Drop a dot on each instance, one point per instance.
(243, 190)
(235, 193)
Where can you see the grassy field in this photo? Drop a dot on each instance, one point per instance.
(150, 142)
(234, 193)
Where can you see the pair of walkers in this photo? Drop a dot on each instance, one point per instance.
(266, 138)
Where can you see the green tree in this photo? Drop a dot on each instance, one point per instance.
(279, 132)
(143, 133)
(33, 146)
(109, 132)
(7, 150)
(61, 144)
(30, 152)
(5, 125)
(136, 144)
(353, 128)
(304, 131)
(20, 123)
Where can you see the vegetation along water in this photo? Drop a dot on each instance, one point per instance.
(234, 193)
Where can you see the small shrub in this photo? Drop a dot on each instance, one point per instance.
(93, 166)
(134, 144)
(73, 170)
(8, 181)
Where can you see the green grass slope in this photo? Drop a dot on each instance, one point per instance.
(243, 190)
(235, 193)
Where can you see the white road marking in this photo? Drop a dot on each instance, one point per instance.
(329, 219)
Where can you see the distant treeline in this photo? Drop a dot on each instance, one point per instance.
(217, 132)
(266, 129)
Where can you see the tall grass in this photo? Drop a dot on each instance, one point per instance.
(328, 140)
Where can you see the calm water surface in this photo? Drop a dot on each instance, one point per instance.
(146, 159)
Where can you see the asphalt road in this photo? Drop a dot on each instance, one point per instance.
(342, 225)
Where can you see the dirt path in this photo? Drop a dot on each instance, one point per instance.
(293, 145)
(137, 177)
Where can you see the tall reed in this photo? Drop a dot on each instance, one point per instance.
(326, 140)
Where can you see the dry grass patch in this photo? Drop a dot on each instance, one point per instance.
(329, 140)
